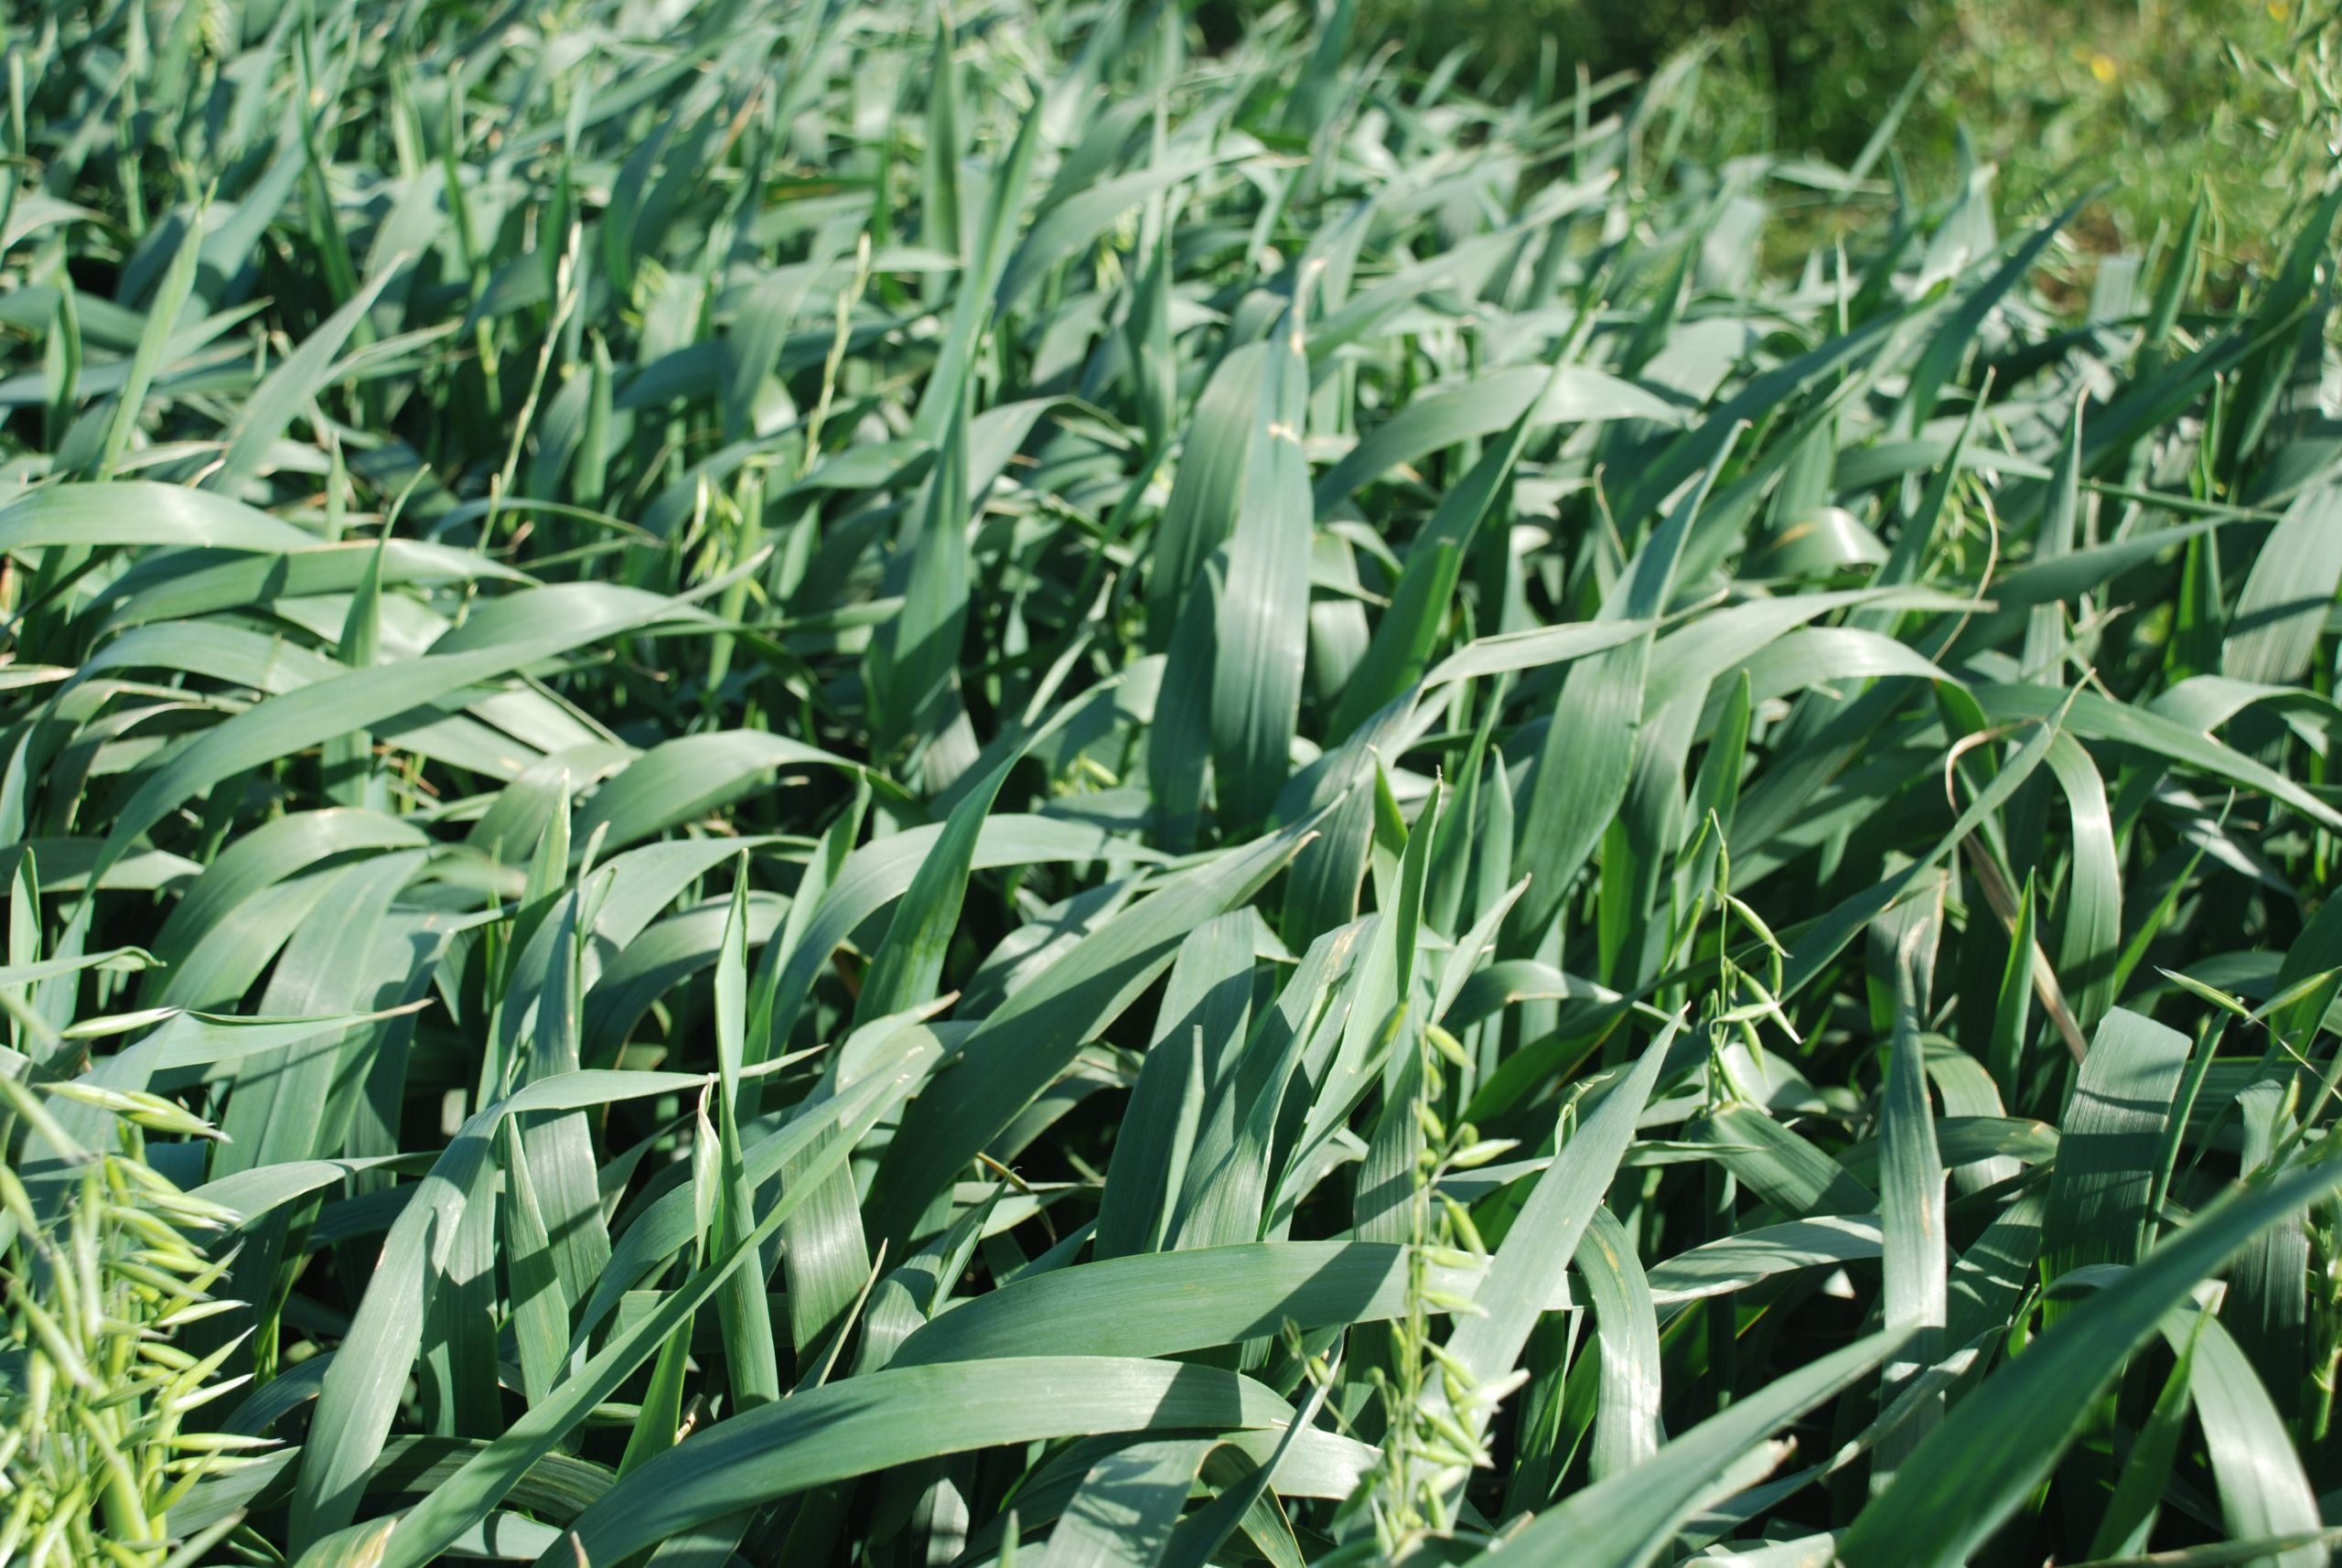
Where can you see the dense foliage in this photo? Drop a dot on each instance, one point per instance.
(901, 785)
(2147, 100)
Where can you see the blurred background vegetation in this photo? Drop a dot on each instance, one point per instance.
(2153, 101)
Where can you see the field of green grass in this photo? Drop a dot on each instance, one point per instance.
(934, 786)
(2139, 104)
